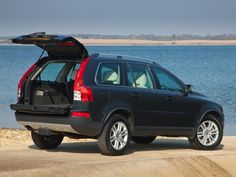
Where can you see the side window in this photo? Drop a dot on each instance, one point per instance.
(167, 81)
(51, 72)
(138, 76)
(109, 74)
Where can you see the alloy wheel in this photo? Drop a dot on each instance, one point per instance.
(118, 135)
(207, 133)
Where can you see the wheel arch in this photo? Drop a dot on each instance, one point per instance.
(123, 111)
(213, 112)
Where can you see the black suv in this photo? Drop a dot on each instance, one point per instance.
(114, 99)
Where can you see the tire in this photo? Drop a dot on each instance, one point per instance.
(143, 140)
(110, 141)
(46, 142)
(212, 138)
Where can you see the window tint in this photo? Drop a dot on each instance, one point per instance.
(108, 73)
(167, 81)
(138, 76)
(51, 72)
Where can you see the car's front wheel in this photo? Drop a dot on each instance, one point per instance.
(46, 142)
(115, 137)
(209, 133)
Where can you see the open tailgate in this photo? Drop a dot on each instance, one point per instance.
(55, 45)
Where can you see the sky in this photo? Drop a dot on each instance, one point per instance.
(160, 17)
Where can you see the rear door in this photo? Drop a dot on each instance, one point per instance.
(146, 102)
(49, 92)
(55, 45)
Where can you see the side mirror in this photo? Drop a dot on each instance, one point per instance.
(188, 88)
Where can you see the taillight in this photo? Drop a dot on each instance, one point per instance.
(80, 114)
(82, 92)
(23, 79)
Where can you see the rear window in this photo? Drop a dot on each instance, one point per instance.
(63, 71)
(109, 74)
(138, 76)
(51, 72)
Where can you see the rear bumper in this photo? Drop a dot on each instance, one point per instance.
(42, 109)
(78, 125)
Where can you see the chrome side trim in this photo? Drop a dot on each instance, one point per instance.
(51, 126)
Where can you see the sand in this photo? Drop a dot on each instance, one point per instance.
(9, 137)
(149, 42)
(164, 157)
(131, 42)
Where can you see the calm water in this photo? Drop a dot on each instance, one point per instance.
(210, 69)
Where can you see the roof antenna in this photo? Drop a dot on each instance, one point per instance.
(41, 55)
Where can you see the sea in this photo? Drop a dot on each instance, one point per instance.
(210, 69)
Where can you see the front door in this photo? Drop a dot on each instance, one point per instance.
(178, 106)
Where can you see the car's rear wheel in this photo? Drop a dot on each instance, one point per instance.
(209, 133)
(115, 137)
(46, 142)
(143, 139)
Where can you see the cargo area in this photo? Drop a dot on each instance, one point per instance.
(54, 84)
(47, 87)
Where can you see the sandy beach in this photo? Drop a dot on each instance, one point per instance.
(164, 157)
(149, 42)
(131, 42)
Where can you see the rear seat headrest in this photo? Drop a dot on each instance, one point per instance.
(111, 76)
(140, 80)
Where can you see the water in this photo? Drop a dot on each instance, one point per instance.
(210, 69)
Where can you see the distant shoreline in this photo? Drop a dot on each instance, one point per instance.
(136, 42)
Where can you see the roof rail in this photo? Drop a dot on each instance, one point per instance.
(118, 56)
(38, 33)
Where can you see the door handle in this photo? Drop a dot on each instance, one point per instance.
(169, 98)
(135, 95)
